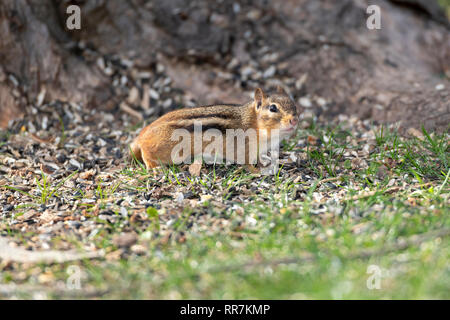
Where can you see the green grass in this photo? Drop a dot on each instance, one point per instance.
(4, 137)
(46, 190)
(285, 243)
(446, 5)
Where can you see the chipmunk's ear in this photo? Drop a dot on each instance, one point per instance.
(281, 90)
(259, 97)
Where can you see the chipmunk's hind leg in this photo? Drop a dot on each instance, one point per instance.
(147, 158)
(135, 151)
(141, 156)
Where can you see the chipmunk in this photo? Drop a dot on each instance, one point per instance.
(271, 117)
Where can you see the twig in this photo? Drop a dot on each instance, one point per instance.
(125, 107)
(15, 289)
(328, 180)
(8, 253)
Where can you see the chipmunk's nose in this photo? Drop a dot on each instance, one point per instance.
(294, 121)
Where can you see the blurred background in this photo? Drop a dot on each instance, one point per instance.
(144, 58)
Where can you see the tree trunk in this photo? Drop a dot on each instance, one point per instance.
(36, 58)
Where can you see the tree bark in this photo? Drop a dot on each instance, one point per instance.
(36, 58)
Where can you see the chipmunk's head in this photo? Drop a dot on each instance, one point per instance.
(276, 111)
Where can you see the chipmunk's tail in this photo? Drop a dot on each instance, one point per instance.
(135, 151)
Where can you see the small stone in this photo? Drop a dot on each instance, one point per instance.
(8, 207)
(61, 158)
(160, 68)
(415, 133)
(305, 102)
(179, 197)
(321, 101)
(40, 98)
(101, 142)
(205, 197)
(189, 195)
(154, 94)
(138, 249)
(269, 72)
(133, 96)
(254, 14)
(9, 161)
(382, 172)
(75, 163)
(74, 224)
(299, 83)
(293, 157)
(87, 174)
(101, 63)
(167, 103)
(19, 164)
(247, 71)
(123, 212)
(236, 7)
(304, 124)
(251, 221)
(125, 239)
(391, 183)
(356, 163)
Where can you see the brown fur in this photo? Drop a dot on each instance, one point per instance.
(153, 146)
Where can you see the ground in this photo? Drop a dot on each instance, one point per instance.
(354, 207)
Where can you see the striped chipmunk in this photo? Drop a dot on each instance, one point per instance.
(220, 133)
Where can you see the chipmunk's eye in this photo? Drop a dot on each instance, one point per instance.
(273, 108)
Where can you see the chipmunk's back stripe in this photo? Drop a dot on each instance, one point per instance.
(191, 127)
(206, 115)
(221, 105)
